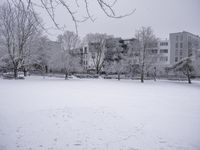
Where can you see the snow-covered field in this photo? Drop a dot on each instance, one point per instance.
(54, 114)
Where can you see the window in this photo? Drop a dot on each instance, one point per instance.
(85, 62)
(181, 45)
(181, 52)
(153, 51)
(176, 59)
(181, 37)
(85, 49)
(164, 44)
(162, 51)
(189, 45)
(189, 38)
(163, 59)
(176, 45)
(177, 38)
(176, 52)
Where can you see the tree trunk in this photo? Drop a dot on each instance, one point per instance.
(118, 76)
(46, 69)
(97, 70)
(154, 74)
(15, 72)
(25, 72)
(142, 75)
(189, 78)
(66, 75)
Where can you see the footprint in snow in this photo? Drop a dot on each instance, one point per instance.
(133, 148)
(18, 129)
(19, 137)
(40, 145)
(78, 143)
(55, 140)
(162, 142)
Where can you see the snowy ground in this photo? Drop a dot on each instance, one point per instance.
(53, 114)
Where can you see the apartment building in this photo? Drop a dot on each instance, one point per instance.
(84, 57)
(89, 50)
(159, 53)
(157, 56)
(182, 45)
(162, 54)
(88, 55)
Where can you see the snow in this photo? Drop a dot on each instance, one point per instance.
(96, 114)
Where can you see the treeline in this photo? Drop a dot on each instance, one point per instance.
(23, 47)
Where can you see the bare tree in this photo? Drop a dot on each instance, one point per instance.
(96, 43)
(96, 37)
(72, 7)
(132, 59)
(98, 56)
(185, 66)
(147, 40)
(119, 61)
(40, 54)
(70, 43)
(69, 40)
(17, 26)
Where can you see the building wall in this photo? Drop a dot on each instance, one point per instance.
(182, 45)
(158, 57)
(164, 52)
(89, 50)
(161, 53)
(89, 55)
(84, 57)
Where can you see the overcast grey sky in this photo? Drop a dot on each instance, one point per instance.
(164, 16)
